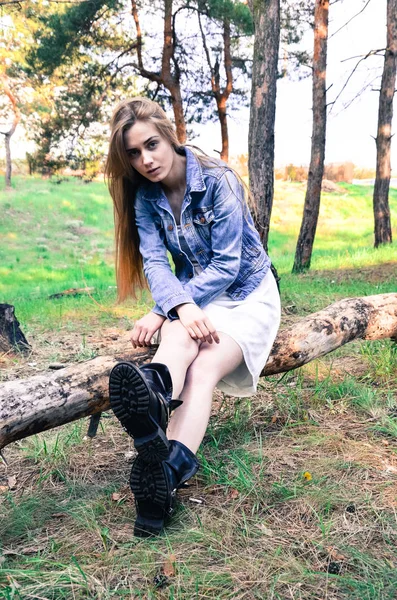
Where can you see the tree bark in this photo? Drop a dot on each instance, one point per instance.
(221, 97)
(263, 111)
(8, 134)
(8, 171)
(45, 401)
(311, 207)
(171, 81)
(11, 337)
(383, 231)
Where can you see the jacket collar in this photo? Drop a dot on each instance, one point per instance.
(194, 179)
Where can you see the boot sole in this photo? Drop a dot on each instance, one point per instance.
(150, 488)
(154, 499)
(129, 395)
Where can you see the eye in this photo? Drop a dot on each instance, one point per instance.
(132, 153)
(153, 144)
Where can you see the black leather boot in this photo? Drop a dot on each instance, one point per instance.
(141, 399)
(155, 486)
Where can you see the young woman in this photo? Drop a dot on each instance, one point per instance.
(217, 316)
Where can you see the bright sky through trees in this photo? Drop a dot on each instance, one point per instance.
(349, 130)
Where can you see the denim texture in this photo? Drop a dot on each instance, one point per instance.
(218, 229)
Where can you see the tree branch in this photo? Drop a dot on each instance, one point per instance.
(370, 53)
(350, 20)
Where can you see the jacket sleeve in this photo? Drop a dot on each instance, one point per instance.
(226, 241)
(166, 289)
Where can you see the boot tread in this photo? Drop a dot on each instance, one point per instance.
(130, 397)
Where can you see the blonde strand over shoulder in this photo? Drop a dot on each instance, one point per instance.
(123, 182)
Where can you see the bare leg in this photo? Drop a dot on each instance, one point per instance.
(213, 362)
(177, 350)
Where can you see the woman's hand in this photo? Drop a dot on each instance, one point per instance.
(197, 323)
(145, 328)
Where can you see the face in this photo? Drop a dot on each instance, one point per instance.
(149, 153)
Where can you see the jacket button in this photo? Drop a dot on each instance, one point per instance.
(170, 227)
(190, 275)
(202, 220)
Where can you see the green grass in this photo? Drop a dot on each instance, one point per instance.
(56, 237)
(297, 489)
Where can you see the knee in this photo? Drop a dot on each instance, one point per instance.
(174, 332)
(202, 371)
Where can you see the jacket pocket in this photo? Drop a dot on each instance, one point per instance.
(203, 216)
(202, 220)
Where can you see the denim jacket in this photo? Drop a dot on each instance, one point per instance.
(218, 229)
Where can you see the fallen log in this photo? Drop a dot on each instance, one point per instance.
(41, 402)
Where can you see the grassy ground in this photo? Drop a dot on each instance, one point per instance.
(297, 494)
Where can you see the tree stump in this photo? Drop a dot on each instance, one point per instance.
(11, 336)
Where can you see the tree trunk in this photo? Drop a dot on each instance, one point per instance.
(311, 208)
(221, 98)
(263, 111)
(8, 134)
(222, 101)
(224, 131)
(7, 142)
(383, 232)
(11, 336)
(45, 401)
(170, 81)
(177, 106)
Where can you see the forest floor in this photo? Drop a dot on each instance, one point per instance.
(296, 497)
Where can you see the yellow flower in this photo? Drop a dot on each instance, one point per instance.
(307, 476)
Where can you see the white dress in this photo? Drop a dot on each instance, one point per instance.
(253, 323)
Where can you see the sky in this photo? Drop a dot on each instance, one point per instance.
(349, 130)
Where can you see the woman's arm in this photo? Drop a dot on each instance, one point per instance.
(167, 290)
(226, 242)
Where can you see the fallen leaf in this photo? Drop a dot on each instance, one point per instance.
(169, 566)
(59, 515)
(334, 554)
(4, 489)
(12, 482)
(233, 494)
(116, 497)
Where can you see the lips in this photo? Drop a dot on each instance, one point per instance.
(153, 171)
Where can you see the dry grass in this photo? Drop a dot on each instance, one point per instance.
(296, 496)
(293, 504)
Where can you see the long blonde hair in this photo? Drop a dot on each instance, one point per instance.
(123, 182)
